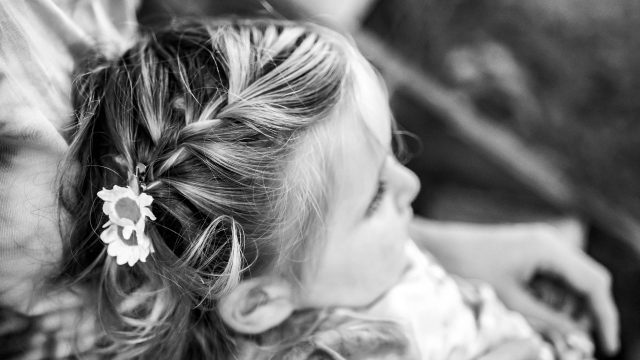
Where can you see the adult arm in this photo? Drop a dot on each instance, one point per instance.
(508, 256)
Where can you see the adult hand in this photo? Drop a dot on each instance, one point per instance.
(509, 256)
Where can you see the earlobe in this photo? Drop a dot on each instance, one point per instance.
(257, 305)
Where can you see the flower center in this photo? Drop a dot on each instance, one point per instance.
(133, 240)
(128, 209)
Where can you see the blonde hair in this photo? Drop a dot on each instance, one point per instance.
(218, 112)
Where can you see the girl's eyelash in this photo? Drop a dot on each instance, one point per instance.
(377, 198)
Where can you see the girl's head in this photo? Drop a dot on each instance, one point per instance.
(267, 154)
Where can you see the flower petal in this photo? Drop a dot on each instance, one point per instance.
(118, 230)
(127, 231)
(114, 248)
(110, 234)
(120, 191)
(145, 243)
(137, 255)
(145, 199)
(147, 212)
(121, 258)
(106, 195)
(145, 250)
(139, 228)
(107, 208)
(132, 259)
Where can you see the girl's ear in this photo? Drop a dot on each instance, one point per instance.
(256, 305)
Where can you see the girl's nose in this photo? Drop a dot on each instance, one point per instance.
(407, 185)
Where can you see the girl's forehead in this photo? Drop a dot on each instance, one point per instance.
(371, 105)
(364, 120)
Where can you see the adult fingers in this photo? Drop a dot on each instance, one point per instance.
(593, 281)
(542, 317)
(524, 349)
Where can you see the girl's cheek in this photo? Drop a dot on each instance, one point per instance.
(391, 231)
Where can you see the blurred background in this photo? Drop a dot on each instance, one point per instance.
(519, 110)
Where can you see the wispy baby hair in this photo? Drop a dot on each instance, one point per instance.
(215, 110)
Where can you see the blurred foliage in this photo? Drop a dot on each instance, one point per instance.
(562, 74)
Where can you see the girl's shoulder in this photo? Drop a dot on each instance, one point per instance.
(331, 334)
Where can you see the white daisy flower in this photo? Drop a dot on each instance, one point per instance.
(124, 231)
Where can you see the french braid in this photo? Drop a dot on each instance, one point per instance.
(219, 112)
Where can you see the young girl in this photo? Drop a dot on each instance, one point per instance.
(232, 193)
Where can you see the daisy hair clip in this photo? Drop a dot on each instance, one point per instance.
(128, 209)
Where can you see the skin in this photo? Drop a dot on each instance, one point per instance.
(507, 256)
(364, 253)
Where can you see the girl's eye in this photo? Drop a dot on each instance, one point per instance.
(377, 198)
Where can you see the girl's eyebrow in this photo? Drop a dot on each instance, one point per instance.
(384, 162)
(381, 169)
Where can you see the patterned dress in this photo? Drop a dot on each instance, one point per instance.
(455, 319)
